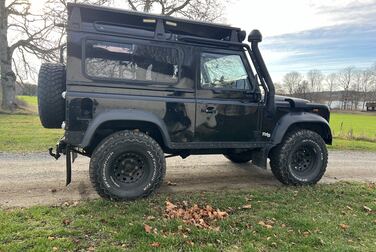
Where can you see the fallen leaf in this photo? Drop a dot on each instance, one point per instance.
(51, 238)
(150, 217)
(190, 243)
(305, 234)
(66, 222)
(217, 229)
(147, 228)
(155, 244)
(169, 205)
(169, 183)
(54, 248)
(249, 206)
(194, 215)
(367, 209)
(344, 226)
(268, 226)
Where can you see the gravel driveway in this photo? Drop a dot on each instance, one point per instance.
(32, 179)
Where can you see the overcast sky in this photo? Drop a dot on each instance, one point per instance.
(307, 34)
(310, 34)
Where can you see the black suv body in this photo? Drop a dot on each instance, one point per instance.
(137, 86)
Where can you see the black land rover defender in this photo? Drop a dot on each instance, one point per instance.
(138, 86)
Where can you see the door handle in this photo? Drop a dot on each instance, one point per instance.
(209, 110)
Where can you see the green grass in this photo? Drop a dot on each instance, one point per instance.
(358, 145)
(30, 100)
(306, 219)
(354, 126)
(353, 131)
(24, 133)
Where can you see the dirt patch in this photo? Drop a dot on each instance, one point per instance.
(37, 179)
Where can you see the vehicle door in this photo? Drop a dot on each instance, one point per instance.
(227, 98)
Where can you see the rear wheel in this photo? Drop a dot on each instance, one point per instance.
(127, 165)
(241, 157)
(301, 158)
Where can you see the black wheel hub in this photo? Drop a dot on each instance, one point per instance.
(128, 168)
(303, 159)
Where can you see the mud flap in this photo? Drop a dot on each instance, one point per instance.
(260, 157)
(68, 156)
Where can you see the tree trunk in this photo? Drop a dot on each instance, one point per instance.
(8, 78)
(8, 83)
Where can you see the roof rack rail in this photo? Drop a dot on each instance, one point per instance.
(111, 20)
(210, 41)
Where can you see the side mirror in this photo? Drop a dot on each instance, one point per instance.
(252, 95)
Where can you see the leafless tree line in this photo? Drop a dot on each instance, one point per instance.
(26, 36)
(351, 87)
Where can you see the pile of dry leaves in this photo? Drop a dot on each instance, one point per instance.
(201, 217)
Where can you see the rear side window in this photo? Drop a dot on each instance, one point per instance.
(131, 62)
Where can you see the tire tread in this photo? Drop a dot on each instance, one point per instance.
(118, 137)
(280, 153)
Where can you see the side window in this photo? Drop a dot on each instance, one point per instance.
(131, 62)
(223, 71)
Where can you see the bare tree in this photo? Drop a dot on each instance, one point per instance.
(302, 90)
(366, 83)
(30, 32)
(332, 83)
(203, 10)
(372, 88)
(315, 79)
(345, 78)
(56, 13)
(292, 81)
(279, 88)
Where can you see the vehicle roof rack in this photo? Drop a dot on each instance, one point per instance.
(140, 24)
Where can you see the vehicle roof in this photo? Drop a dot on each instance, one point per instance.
(104, 19)
(149, 15)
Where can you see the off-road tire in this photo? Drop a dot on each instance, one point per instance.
(51, 85)
(239, 158)
(282, 163)
(103, 162)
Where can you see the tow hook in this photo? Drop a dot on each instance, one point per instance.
(55, 155)
(64, 148)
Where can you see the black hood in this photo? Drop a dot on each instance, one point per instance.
(288, 98)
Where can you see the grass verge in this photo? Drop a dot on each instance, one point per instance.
(336, 217)
(24, 133)
(359, 126)
(358, 145)
(30, 100)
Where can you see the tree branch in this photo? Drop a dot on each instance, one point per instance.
(132, 5)
(176, 9)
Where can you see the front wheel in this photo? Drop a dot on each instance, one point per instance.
(127, 165)
(301, 158)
